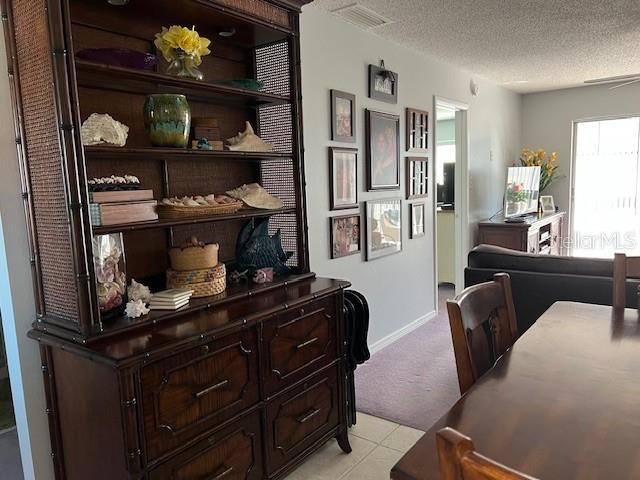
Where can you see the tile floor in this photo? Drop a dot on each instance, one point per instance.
(377, 445)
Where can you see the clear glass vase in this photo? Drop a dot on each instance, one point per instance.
(184, 65)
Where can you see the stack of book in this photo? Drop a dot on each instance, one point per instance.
(170, 299)
(120, 207)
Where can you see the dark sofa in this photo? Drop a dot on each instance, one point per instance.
(540, 280)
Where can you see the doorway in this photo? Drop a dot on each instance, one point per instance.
(605, 205)
(9, 449)
(450, 199)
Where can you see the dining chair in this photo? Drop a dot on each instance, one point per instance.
(483, 327)
(623, 267)
(459, 461)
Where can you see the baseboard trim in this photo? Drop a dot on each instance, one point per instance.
(398, 334)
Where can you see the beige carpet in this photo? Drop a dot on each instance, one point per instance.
(412, 382)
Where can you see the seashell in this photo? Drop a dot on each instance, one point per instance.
(138, 291)
(166, 201)
(248, 141)
(136, 308)
(191, 203)
(211, 199)
(101, 128)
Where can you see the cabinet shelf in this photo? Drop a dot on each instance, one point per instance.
(166, 223)
(99, 152)
(108, 77)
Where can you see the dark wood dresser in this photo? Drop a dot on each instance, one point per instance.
(540, 234)
(241, 385)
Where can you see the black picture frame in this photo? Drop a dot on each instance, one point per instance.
(377, 75)
(337, 107)
(417, 177)
(382, 131)
(383, 237)
(417, 130)
(333, 221)
(413, 232)
(335, 202)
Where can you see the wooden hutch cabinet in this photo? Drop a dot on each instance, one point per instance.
(244, 384)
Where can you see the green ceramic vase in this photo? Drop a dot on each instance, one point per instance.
(167, 119)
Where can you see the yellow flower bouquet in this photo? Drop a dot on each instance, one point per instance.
(547, 164)
(183, 48)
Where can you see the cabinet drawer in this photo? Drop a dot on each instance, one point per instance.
(300, 418)
(195, 390)
(235, 453)
(299, 342)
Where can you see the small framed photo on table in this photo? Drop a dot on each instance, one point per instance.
(345, 235)
(343, 169)
(417, 211)
(547, 204)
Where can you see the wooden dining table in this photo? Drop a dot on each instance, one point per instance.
(562, 404)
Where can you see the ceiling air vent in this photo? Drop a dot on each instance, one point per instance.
(362, 17)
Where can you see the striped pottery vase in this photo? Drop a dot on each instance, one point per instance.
(167, 120)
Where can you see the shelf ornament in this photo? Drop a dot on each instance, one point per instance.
(183, 48)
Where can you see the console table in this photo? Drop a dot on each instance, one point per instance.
(537, 234)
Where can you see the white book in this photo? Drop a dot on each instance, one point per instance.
(173, 294)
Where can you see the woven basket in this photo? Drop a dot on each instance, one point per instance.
(189, 277)
(196, 256)
(173, 212)
(215, 286)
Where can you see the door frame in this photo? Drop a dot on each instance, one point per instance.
(572, 169)
(461, 195)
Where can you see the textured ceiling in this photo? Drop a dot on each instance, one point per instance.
(549, 44)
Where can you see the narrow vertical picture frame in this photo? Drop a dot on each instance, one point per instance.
(417, 130)
(343, 116)
(417, 177)
(343, 178)
(416, 219)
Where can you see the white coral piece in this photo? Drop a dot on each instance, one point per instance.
(101, 128)
(138, 291)
(136, 308)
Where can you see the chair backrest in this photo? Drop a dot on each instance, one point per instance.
(459, 460)
(623, 267)
(483, 327)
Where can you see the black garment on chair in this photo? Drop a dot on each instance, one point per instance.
(356, 314)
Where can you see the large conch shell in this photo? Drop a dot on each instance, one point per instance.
(248, 141)
(101, 128)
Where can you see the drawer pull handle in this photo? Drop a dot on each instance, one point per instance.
(221, 475)
(307, 343)
(210, 389)
(308, 416)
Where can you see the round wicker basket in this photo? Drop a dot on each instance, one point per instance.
(173, 212)
(216, 283)
(188, 277)
(196, 256)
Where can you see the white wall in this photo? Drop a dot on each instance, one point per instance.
(547, 120)
(336, 55)
(17, 302)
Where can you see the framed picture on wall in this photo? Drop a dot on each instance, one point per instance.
(343, 172)
(417, 177)
(417, 211)
(383, 151)
(345, 235)
(343, 117)
(417, 128)
(384, 227)
(383, 84)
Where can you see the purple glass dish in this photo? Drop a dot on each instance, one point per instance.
(119, 57)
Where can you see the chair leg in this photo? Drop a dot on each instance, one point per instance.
(343, 441)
